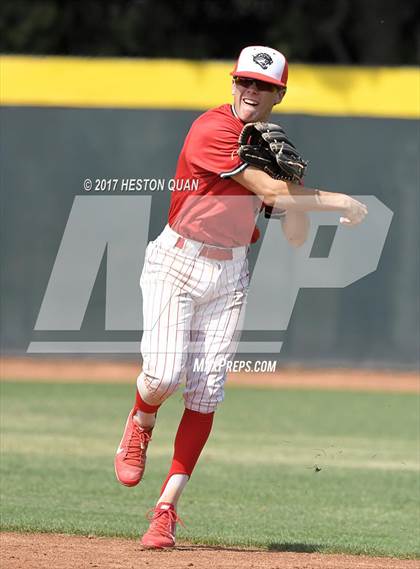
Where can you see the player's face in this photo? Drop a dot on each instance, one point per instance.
(254, 100)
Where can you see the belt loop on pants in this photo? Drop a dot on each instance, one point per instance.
(215, 253)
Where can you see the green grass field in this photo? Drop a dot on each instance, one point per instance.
(256, 484)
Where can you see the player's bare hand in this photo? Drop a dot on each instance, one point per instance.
(354, 212)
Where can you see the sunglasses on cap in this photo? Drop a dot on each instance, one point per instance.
(260, 85)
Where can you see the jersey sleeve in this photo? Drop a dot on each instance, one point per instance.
(212, 147)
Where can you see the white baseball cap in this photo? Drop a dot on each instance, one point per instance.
(263, 63)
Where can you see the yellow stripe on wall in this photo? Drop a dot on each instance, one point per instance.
(178, 84)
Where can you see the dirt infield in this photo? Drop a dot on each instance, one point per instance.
(80, 371)
(47, 551)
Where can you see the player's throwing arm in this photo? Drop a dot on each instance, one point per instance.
(276, 174)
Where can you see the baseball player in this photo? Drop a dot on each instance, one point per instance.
(195, 276)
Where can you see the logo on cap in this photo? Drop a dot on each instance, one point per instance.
(263, 60)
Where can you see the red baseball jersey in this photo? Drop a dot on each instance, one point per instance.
(207, 205)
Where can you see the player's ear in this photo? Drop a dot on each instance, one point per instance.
(279, 95)
(233, 86)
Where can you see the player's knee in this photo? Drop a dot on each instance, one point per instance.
(154, 390)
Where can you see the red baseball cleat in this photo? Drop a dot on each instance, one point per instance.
(161, 532)
(130, 458)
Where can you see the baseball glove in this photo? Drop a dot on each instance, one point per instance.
(266, 146)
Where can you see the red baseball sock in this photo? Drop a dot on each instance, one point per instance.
(193, 432)
(143, 406)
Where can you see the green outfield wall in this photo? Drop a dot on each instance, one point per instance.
(50, 146)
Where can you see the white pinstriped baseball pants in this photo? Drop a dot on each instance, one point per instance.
(193, 308)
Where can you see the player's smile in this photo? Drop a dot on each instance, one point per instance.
(249, 101)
